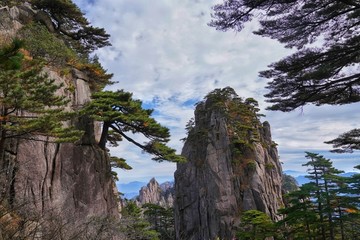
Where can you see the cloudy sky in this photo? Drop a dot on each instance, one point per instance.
(164, 52)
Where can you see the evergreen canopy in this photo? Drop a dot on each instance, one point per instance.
(28, 99)
(122, 116)
(325, 208)
(327, 73)
(64, 17)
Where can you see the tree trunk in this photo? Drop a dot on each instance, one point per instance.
(104, 135)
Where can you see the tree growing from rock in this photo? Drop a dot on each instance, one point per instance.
(28, 100)
(123, 116)
(30, 109)
(65, 18)
(323, 73)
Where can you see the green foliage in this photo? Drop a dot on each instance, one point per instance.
(243, 119)
(327, 73)
(219, 96)
(190, 125)
(300, 220)
(119, 163)
(255, 225)
(312, 74)
(323, 175)
(98, 76)
(346, 142)
(134, 226)
(43, 44)
(116, 162)
(251, 165)
(161, 220)
(269, 166)
(122, 114)
(325, 208)
(29, 103)
(68, 20)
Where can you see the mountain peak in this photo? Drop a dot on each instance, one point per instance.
(232, 167)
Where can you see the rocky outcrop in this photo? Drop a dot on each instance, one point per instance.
(64, 188)
(154, 193)
(232, 167)
(12, 19)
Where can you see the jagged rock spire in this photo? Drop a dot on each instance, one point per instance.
(232, 167)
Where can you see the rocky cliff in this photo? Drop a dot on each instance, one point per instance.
(155, 193)
(59, 190)
(232, 167)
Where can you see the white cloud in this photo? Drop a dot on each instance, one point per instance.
(164, 52)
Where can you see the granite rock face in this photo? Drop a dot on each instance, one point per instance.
(66, 185)
(155, 193)
(232, 167)
(12, 19)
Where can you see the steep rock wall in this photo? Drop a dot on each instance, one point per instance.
(218, 183)
(67, 185)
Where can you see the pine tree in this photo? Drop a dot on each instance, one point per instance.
(161, 220)
(350, 205)
(65, 18)
(325, 208)
(30, 109)
(325, 177)
(122, 115)
(133, 224)
(28, 101)
(325, 74)
(255, 225)
(300, 219)
(346, 142)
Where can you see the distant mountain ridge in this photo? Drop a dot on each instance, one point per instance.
(302, 179)
(132, 190)
(158, 194)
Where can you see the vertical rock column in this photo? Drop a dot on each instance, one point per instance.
(214, 187)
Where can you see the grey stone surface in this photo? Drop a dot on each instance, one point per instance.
(67, 182)
(154, 193)
(211, 191)
(9, 23)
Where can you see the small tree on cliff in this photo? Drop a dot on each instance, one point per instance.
(65, 18)
(121, 115)
(328, 74)
(28, 99)
(29, 108)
